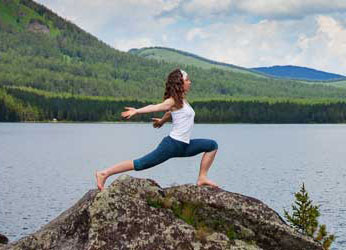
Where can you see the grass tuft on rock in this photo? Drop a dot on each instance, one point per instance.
(192, 214)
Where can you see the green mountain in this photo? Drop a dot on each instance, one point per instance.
(41, 50)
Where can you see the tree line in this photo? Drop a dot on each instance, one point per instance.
(28, 104)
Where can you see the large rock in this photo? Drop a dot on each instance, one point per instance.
(37, 27)
(3, 239)
(137, 213)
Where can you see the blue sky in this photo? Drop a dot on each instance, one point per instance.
(248, 33)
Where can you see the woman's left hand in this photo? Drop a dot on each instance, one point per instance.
(129, 113)
(157, 122)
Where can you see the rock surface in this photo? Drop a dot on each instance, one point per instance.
(3, 239)
(38, 27)
(135, 213)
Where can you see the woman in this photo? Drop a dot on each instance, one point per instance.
(178, 143)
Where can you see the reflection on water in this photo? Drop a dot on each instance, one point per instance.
(46, 168)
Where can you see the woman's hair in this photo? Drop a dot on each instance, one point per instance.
(175, 87)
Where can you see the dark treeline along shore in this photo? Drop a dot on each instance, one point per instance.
(50, 68)
(28, 104)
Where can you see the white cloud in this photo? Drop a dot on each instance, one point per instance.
(245, 44)
(290, 9)
(272, 9)
(169, 5)
(326, 48)
(277, 42)
(203, 8)
(196, 33)
(116, 19)
(164, 38)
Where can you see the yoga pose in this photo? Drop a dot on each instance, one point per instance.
(177, 143)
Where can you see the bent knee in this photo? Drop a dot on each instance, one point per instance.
(139, 164)
(213, 146)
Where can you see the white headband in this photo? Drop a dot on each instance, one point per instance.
(184, 74)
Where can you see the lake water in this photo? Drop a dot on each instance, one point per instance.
(46, 168)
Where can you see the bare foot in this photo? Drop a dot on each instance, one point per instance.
(100, 180)
(204, 181)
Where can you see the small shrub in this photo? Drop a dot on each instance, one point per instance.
(304, 219)
(231, 234)
(154, 203)
(188, 213)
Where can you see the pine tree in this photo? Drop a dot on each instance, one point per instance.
(305, 219)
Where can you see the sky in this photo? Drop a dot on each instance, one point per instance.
(247, 33)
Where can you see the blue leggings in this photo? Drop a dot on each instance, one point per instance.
(170, 148)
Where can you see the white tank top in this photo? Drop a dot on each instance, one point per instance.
(182, 122)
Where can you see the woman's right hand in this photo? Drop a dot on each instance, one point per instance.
(157, 122)
(129, 113)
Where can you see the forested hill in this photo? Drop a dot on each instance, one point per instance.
(41, 50)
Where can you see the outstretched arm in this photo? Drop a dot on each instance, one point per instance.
(164, 106)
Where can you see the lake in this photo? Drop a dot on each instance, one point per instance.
(47, 167)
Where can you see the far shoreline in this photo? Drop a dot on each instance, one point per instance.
(141, 122)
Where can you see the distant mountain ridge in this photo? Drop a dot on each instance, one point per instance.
(286, 72)
(296, 72)
(172, 55)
